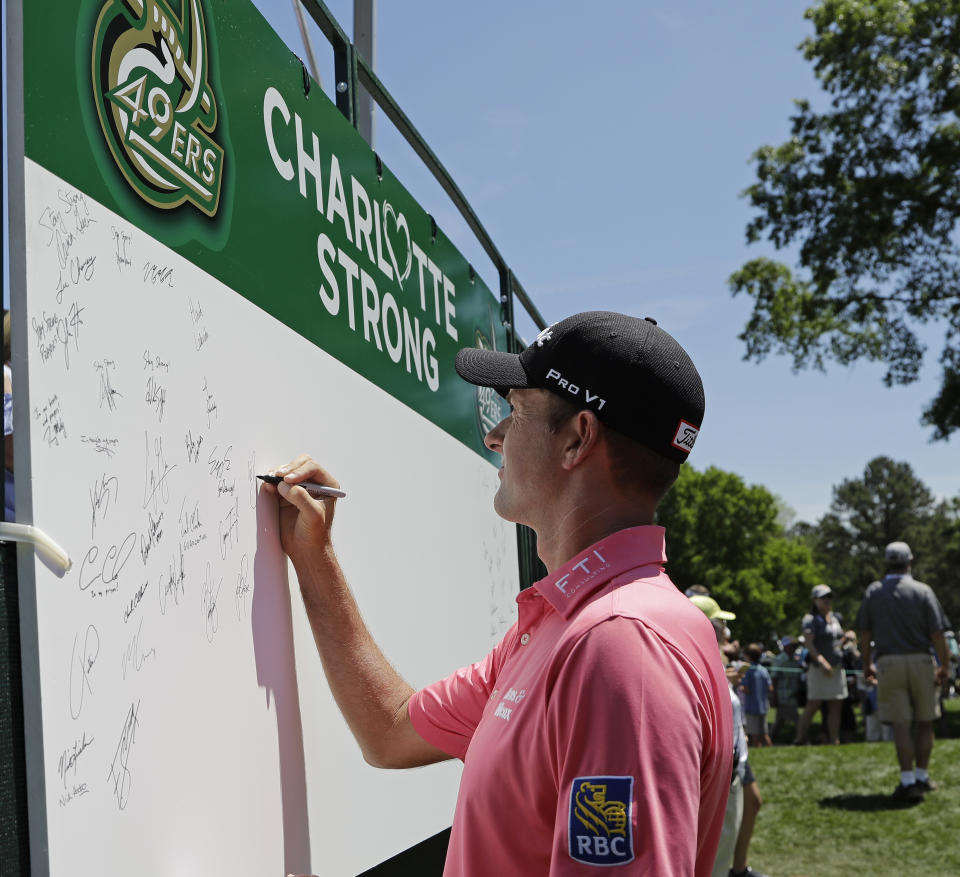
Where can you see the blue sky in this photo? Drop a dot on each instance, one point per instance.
(604, 149)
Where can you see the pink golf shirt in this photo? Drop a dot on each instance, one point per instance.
(597, 733)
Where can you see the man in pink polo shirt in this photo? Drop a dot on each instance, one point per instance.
(598, 732)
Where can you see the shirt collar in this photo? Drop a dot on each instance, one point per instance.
(569, 586)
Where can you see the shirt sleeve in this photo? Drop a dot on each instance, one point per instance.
(628, 777)
(936, 618)
(447, 712)
(862, 621)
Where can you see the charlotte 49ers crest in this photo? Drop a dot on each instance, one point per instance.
(155, 102)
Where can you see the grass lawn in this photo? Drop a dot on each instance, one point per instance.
(827, 811)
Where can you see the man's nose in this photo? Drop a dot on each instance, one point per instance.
(494, 439)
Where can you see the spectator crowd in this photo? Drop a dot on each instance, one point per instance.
(883, 679)
(812, 684)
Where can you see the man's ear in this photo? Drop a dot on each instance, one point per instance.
(581, 437)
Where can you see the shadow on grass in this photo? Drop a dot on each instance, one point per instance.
(866, 803)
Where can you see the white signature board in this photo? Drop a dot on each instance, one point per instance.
(182, 724)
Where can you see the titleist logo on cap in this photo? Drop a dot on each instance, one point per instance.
(685, 436)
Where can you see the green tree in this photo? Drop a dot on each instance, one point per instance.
(868, 192)
(791, 564)
(887, 503)
(937, 555)
(727, 535)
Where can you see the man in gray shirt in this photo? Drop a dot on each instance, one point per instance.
(899, 619)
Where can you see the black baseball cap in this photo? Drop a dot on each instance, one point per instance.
(634, 376)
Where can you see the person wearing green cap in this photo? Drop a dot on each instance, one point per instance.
(744, 801)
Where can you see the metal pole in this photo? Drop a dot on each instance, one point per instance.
(3, 217)
(14, 816)
(364, 41)
(307, 46)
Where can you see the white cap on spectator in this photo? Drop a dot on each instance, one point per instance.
(898, 554)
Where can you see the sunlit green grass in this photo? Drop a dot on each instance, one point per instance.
(827, 812)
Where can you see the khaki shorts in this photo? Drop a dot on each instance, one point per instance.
(821, 686)
(907, 688)
(732, 817)
(755, 724)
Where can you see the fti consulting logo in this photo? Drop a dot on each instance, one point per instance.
(601, 820)
(155, 103)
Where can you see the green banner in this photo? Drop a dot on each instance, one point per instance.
(192, 121)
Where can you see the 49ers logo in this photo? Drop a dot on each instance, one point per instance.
(155, 102)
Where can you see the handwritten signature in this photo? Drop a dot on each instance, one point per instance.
(134, 655)
(81, 269)
(157, 275)
(242, 591)
(252, 480)
(120, 766)
(55, 331)
(190, 520)
(156, 470)
(173, 583)
(153, 362)
(82, 662)
(101, 444)
(156, 397)
(134, 602)
(107, 393)
(152, 536)
(211, 404)
(70, 756)
(219, 466)
(208, 604)
(113, 562)
(67, 223)
(77, 791)
(61, 286)
(121, 240)
(192, 529)
(103, 491)
(230, 529)
(51, 422)
(193, 446)
(200, 333)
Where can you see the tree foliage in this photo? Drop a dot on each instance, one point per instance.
(868, 192)
(727, 535)
(886, 504)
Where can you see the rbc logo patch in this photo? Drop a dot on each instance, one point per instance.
(601, 824)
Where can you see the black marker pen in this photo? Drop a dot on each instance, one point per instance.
(320, 489)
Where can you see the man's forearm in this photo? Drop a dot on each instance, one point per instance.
(369, 692)
(940, 645)
(866, 648)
